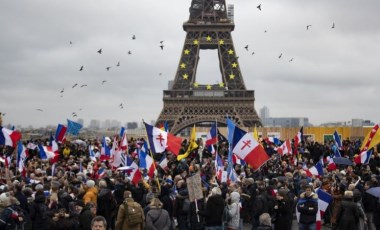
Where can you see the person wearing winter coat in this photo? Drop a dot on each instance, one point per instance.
(91, 193)
(348, 214)
(157, 218)
(283, 211)
(121, 219)
(182, 205)
(214, 210)
(106, 204)
(234, 209)
(307, 206)
(86, 214)
(40, 213)
(265, 222)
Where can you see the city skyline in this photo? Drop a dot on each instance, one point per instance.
(326, 72)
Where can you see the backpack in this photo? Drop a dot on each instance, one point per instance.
(186, 205)
(133, 213)
(226, 217)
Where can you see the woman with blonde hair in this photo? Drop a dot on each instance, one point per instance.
(157, 218)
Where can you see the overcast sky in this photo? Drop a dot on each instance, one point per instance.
(334, 75)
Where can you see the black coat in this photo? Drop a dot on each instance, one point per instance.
(308, 208)
(40, 214)
(348, 215)
(214, 211)
(283, 215)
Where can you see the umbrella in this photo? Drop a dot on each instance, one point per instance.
(374, 191)
(342, 161)
(124, 168)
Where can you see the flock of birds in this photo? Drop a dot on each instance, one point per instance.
(82, 68)
(108, 68)
(265, 31)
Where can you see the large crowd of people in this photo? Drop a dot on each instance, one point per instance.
(72, 194)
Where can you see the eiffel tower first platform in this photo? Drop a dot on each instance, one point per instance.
(189, 102)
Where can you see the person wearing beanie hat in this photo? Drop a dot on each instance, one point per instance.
(91, 194)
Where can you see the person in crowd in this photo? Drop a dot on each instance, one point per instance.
(234, 209)
(106, 204)
(98, 223)
(283, 211)
(157, 218)
(91, 192)
(214, 210)
(307, 206)
(122, 220)
(260, 204)
(86, 212)
(265, 222)
(348, 213)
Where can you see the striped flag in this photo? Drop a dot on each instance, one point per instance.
(337, 140)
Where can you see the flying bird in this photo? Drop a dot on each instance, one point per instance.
(161, 42)
(159, 74)
(39, 110)
(71, 42)
(280, 55)
(118, 64)
(104, 81)
(333, 26)
(259, 7)
(265, 31)
(108, 68)
(100, 51)
(253, 53)
(63, 90)
(307, 27)
(74, 114)
(83, 85)
(162, 47)
(121, 106)
(81, 68)
(292, 59)
(74, 85)
(129, 52)
(133, 37)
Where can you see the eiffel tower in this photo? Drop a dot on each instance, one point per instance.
(189, 102)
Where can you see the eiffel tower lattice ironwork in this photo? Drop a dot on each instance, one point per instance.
(189, 102)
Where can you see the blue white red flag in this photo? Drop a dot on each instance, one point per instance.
(363, 157)
(60, 132)
(212, 135)
(9, 137)
(316, 170)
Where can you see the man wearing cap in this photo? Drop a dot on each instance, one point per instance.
(91, 192)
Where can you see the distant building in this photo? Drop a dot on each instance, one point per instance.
(264, 113)
(80, 121)
(94, 125)
(286, 122)
(132, 125)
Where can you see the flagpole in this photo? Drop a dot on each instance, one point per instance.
(154, 163)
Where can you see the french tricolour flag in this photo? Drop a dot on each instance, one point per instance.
(164, 162)
(22, 154)
(363, 157)
(9, 137)
(49, 152)
(219, 167)
(135, 175)
(316, 170)
(105, 152)
(212, 135)
(146, 161)
(237, 160)
(324, 199)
